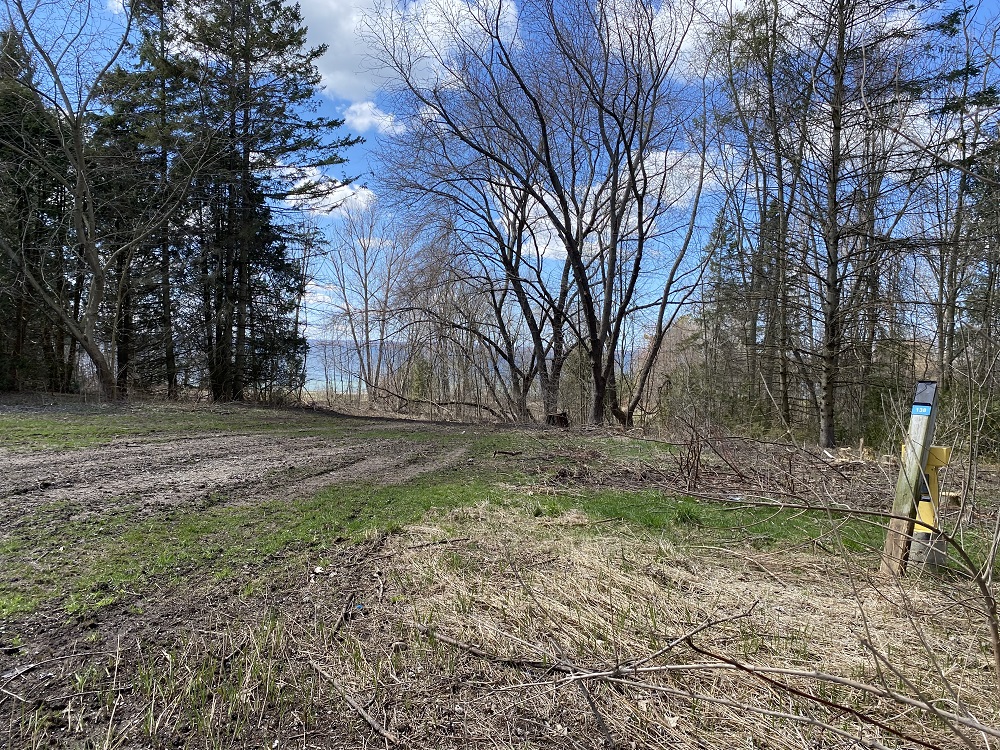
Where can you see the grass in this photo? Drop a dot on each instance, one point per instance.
(225, 688)
(98, 425)
(86, 565)
(687, 519)
(469, 558)
(558, 591)
(89, 425)
(13, 602)
(114, 556)
(89, 564)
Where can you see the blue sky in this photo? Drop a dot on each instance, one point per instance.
(350, 78)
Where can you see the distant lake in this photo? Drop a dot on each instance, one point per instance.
(331, 362)
(334, 363)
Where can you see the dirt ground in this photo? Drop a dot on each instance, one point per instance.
(41, 491)
(486, 625)
(182, 470)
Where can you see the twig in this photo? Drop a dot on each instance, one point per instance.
(374, 723)
(575, 524)
(909, 684)
(15, 696)
(546, 561)
(9, 677)
(345, 614)
(746, 558)
(424, 545)
(690, 695)
(609, 741)
(476, 651)
(440, 542)
(691, 634)
(625, 675)
(785, 687)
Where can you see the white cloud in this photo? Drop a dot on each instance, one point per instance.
(333, 201)
(352, 72)
(364, 116)
(349, 69)
(543, 236)
(448, 26)
(675, 177)
(347, 72)
(349, 197)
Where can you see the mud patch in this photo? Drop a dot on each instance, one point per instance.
(152, 475)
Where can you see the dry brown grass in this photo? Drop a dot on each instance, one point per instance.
(486, 626)
(558, 632)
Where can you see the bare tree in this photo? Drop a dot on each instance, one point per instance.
(492, 235)
(581, 109)
(369, 267)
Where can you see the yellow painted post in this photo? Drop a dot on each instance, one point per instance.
(928, 546)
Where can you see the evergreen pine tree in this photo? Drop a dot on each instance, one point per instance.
(258, 82)
(35, 350)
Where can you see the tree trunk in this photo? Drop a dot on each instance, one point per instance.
(167, 320)
(123, 333)
(166, 302)
(831, 286)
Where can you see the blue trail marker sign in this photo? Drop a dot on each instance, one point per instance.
(912, 482)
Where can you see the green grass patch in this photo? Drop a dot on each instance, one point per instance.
(687, 519)
(16, 602)
(977, 542)
(90, 425)
(89, 564)
(97, 425)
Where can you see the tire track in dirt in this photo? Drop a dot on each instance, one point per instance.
(191, 470)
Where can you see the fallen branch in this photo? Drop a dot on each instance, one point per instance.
(374, 723)
(345, 613)
(439, 404)
(15, 696)
(10, 676)
(762, 675)
(689, 695)
(690, 634)
(440, 542)
(478, 652)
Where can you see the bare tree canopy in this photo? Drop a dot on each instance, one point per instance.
(576, 133)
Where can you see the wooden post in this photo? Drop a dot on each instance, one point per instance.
(912, 481)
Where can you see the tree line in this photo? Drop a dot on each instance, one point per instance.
(150, 164)
(776, 218)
